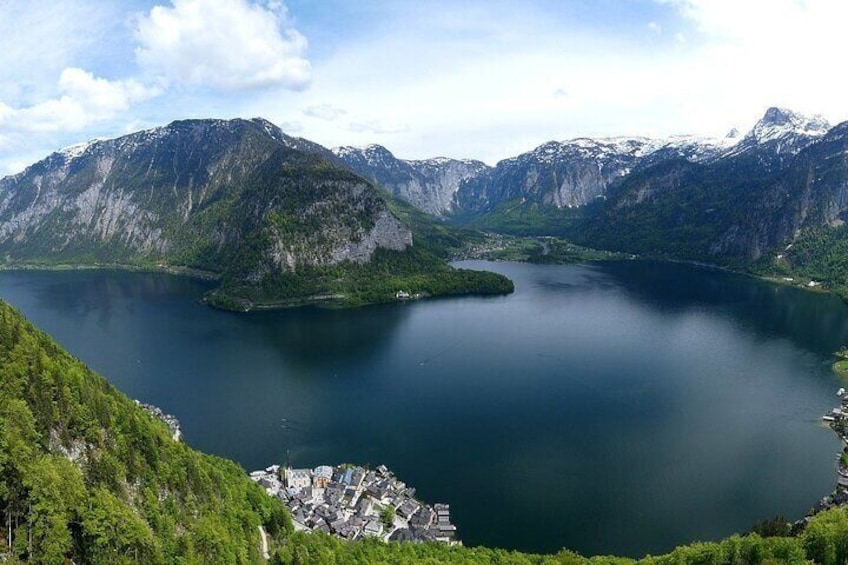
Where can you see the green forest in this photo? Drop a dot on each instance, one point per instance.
(89, 477)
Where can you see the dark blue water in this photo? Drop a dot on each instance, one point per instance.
(616, 408)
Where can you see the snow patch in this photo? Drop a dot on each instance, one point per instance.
(77, 150)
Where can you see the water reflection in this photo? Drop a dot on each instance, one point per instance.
(320, 338)
(812, 320)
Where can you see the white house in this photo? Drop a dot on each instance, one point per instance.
(298, 478)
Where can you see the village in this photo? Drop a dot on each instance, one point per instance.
(837, 419)
(352, 502)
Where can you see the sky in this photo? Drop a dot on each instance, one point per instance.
(483, 79)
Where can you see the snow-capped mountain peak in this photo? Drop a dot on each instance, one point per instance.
(779, 122)
(785, 132)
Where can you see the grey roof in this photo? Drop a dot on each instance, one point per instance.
(407, 509)
(373, 526)
(402, 534)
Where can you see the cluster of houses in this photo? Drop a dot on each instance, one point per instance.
(837, 419)
(169, 419)
(404, 295)
(352, 502)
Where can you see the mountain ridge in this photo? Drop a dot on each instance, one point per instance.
(742, 201)
(274, 216)
(428, 184)
(570, 173)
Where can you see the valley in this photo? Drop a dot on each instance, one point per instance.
(577, 271)
(770, 202)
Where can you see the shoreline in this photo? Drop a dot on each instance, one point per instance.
(337, 301)
(819, 287)
(836, 420)
(175, 270)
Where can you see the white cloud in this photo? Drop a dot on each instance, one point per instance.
(223, 44)
(455, 78)
(324, 112)
(770, 52)
(83, 100)
(291, 127)
(39, 39)
(375, 126)
(475, 87)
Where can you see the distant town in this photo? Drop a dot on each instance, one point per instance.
(352, 502)
(837, 419)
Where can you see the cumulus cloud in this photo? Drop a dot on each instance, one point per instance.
(325, 112)
(226, 44)
(83, 100)
(654, 27)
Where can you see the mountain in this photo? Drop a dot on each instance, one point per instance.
(567, 174)
(773, 199)
(575, 173)
(781, 132)
(784, 177)
(270, 215)
(138, 195)
(429, 184)
(562, 174)
(87, 476)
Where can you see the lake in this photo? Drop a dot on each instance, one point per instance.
(622, 407)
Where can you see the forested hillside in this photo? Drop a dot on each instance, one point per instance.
(89, 477)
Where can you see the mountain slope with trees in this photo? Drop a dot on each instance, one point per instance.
(274, 217)
(90, 477)
(772, 201)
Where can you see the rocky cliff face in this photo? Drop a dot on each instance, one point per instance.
(562, 174)
(192, 193)
(811, 192)
(577, 172)
(430, 185)
(785, 176)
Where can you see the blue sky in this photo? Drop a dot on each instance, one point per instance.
(482, 79)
